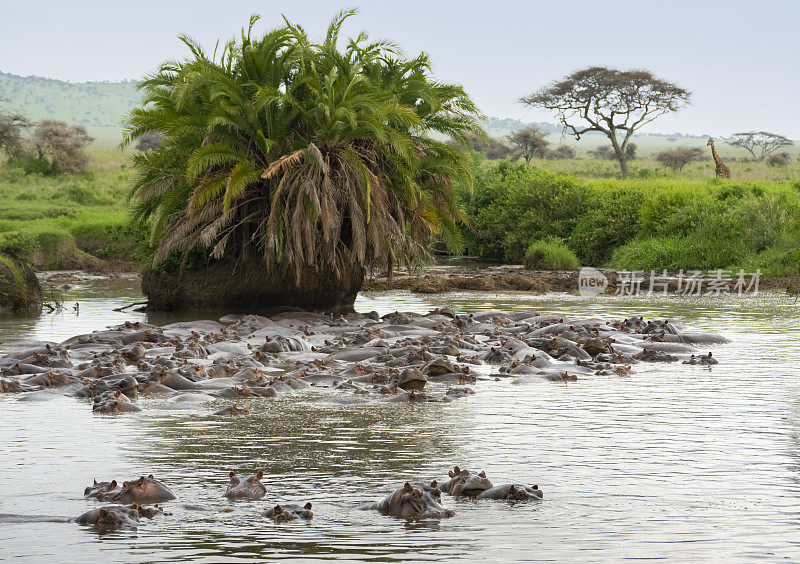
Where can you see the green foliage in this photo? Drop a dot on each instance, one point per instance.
(513, 204)
(550, 254)
(636, 224)
(53, 224)
(300, 154)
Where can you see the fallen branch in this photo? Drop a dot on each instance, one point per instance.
(123, 308)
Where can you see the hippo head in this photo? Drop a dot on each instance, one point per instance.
(411, 501)
(465, 482)
(249, 487)
(143, 490)
(519, 494)
(99, 489)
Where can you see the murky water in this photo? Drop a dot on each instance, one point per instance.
(676, 462)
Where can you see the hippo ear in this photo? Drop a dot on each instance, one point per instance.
(232, 474)
(259, 475)
(451, 474)
(535, 486)
(512, 489)
(482, 474)
(95, 481)
(150, 477)
(112, 485)
(407, 487)
(434, 484)
(307, 505)
(102, 512)
(278, 509)
(140, 481)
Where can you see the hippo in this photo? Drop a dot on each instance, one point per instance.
(144, 490)
(233, 411)
(705, 359)
(411, 379)
(111, 517)
(409, 503)
(512, 492)
(464, 482)
(102, 490)
(248, 487)
(289, 512)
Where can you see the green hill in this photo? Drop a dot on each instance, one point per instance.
(80, 103)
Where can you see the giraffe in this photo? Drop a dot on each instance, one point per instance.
(722, 170)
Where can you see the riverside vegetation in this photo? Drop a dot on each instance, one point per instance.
(653, 219)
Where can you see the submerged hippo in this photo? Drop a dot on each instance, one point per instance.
(289, 512)
(512, 492)
(111, 516)
(102, 490)
(249, 487)
(464, 482)
(705, 359)
(411, 503)
(143, 490)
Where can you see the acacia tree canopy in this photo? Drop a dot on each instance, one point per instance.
(529, 142)
(760, 144)
(613, 102)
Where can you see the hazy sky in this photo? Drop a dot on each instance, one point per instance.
(739, 58)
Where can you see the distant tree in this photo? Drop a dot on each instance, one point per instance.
(11, 127)
(489, 146)
(630, 152)
(62, 145)
(613, 102)
(150, 141)
(678, 157)
(760, 144)
(604, 153)
(779, 159)
(560, 152)
(529, 142)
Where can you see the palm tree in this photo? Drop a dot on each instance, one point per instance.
(288, 167)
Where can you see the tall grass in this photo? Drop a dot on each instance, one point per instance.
(67, 221)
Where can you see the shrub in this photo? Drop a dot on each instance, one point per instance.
(512, 204)
(678, 157)
(550, 254)
(560, 152)
(779, 159)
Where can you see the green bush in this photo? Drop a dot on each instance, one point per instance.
(634, 223)
(550, 254)
(512, 204)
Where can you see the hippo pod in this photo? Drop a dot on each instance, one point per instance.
(246, 487)
(512, 492)
(142, 491)
(411, 503)
(289, 512)
(464, 482)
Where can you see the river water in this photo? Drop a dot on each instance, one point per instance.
(676, 462)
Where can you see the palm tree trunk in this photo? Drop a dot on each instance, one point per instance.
(250, 289)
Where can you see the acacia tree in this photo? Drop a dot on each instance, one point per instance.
(290, 166)
(11, 127)
(760, 144)
(62, 145)
(613, 102)
(529, 142)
